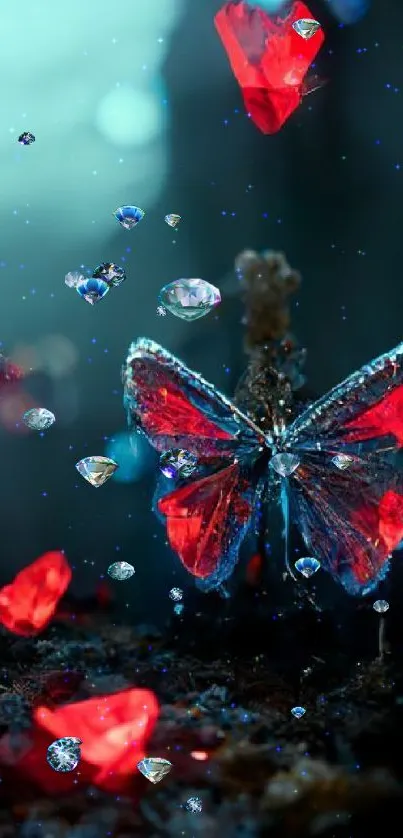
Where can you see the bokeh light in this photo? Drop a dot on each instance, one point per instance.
(133, 454)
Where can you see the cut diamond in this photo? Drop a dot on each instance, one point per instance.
(154, 768)
(96, 470)
(110, 273)
(307, 566)
(381, 606)
(38, 418)
(26, 138)
(172, 220)
(121, 571)
(189, 299)
(64, 754)
(284, 464)
(342, 461)
(73, 278)
(176, 594)
(306, 27)
(92, 290)
(298, 712)
(129, 217)
(194, 805)
(177, 464)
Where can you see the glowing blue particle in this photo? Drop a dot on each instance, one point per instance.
(132, 453)
(307, 566)
(178, 608)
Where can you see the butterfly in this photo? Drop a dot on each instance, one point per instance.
(334, 466)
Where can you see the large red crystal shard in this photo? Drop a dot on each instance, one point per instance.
(268, 58)
(114, 730)
(29, 602)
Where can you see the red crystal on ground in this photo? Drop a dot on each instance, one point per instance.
(268, 58)
(29, 602)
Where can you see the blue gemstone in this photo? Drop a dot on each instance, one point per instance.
(307, 566)
(92, 290)
(129, 217)
(298, 712)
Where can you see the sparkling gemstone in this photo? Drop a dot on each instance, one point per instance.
(96, 470)
(64, 754)
(109, 272)
(73, 278)
(121, 571)
(176, 594)
(298, 712)
(307, 566)
(194, 805)
(161, 311)
(92, 290)
(381, 605)
(342, 461)
(306, 27)
(189, 299)
(284, 464)
(26, 138)
(178, 608)
(172, 220)
(38, 418)
(129, 217)
(177, 464)
(154, 768)
(268, 62)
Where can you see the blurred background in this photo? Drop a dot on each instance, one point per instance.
(136, 104)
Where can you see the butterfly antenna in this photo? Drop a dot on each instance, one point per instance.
(285, 506)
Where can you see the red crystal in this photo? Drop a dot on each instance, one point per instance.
(268, 58)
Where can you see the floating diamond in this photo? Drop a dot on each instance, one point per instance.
(176, 594)
(129, 217)
(307, 566)
(92, 290)
(96, 470)
(154, 768)
(64, 754)
(306, 27)
(39, 419)
(178, 608)
(161, 311)
(172, 220)
(381, 605)
(177, 463)
(189, 299)
(342, 461)
(298, 712)
(73, 278)
(121, 571)
(284, 464)
(194, 804)
(110, 273)
(26, 138)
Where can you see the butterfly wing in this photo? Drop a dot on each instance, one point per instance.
(352, 518)
(207, 516)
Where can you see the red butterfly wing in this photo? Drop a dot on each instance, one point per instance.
(206, 522)
(352, 518)
(176, 408)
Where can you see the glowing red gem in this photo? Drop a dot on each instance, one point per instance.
(268, 58)
(28, 603)
(114, 730)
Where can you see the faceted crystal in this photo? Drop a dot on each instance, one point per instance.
(298, 712)
(380, 606)
(38, 418)
(129, 217)
(73, 278)
(26, 138)
(96, 470)
(109, 272)
(121, 571)
(307, 566)
(189, 299)
(194, 805)
(154, 768)
(176, 594)
(306, 27)
(284, 464)
(177, 463)
(92, 290)
(172, 220)
(161, 311)
(342, 461)
(178, 608)
(64, 754)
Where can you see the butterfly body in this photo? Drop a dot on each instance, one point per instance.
(332, 464)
